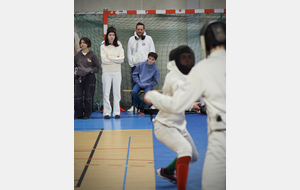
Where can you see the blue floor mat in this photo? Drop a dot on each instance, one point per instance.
(163, 156)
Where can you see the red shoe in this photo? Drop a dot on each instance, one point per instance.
(122, 110)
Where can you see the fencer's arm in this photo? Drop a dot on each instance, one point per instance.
(185, 95)
(175, 86)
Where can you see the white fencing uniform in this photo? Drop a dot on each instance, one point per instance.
(207, 80)
(170, 129)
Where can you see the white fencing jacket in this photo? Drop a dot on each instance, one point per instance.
(138, 50)
(174, 79)
(208, 80)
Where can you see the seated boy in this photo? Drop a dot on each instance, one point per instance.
(145, 75)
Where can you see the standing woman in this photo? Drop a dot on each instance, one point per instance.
(86, 64)
(112, 55)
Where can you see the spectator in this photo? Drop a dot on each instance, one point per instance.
(138, 47)
(112, 56)
(86, 64)
(146, 76)
(120, 44)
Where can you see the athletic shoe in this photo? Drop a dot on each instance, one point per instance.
(152, 107)
(117, 116)
(131, 108)
(171, 178)
(141, 111)
(106, 117)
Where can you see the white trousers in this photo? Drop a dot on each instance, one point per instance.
(180, 142)
(214, 168)
(114, 79)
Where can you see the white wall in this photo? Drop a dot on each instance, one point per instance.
(212, 4)
(99, 5)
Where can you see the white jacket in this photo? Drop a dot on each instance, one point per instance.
(138, 50)
(174, 79)
(208, 80)
(76, 43)
(115, 58)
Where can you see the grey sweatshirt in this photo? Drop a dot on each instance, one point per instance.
(86, 63)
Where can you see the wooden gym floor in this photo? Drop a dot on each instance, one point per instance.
(124, 154)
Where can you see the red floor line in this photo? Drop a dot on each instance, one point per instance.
(138, 165)
(115, 165)
(111, 159)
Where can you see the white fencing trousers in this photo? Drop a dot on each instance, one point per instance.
(114, 79)
(180, 142)
(214, 168)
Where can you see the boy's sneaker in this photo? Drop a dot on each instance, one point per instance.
(152, 107)
(141, 111)
(131, 109)
(171, 178)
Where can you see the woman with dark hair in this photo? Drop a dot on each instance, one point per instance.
(112, 55)
(86, 64)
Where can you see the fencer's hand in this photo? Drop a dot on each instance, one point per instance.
(147, 102)
(196, 106)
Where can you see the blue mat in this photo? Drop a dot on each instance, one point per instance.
(163, 156)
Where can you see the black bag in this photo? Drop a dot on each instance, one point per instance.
(202, 109)
(151, 111)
